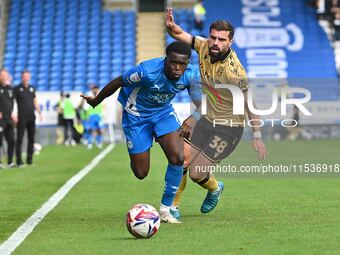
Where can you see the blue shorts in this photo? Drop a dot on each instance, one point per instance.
(94, 122)
(140, 132)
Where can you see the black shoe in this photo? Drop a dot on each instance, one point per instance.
(20, 164)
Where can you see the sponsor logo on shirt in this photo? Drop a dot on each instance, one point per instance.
(161, 98)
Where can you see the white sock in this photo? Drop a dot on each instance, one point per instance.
(164, 208)
(174, 208)
(216, 190)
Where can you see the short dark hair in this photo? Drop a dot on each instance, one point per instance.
(178, 47)
(93, 86)
(25, 71)
(222, 25)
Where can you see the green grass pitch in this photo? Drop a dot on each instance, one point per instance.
(255, 215)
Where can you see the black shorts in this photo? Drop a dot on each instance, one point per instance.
(216, 143)
(61, 121)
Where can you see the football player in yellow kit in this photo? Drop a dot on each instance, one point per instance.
(208, 142)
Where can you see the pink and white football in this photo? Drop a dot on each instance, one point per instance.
(142, 221)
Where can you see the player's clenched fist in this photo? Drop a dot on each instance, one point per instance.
(187, 127)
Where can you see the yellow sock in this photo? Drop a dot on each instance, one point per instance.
(211, 184)
(180, 188)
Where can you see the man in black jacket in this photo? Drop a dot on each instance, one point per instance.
(27, 104)
(6, 122)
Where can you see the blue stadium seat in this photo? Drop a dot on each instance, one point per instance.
(67, 82)
(92, 68)
(68, 42)
(80, 82)
(67, 87)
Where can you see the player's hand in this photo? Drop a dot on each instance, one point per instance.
(90, 100)
(169, 17)
(187, 127)
(15, 118)
(0, 115)
(40, 117)
(260, 148)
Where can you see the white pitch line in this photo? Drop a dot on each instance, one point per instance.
(27, 227)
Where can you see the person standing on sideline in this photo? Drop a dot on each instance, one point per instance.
(95, 123)
(69, 113)
(6, 122)
(61, 124)
(200, 16)
(27, 102)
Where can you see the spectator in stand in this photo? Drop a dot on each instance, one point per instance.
(336, 25)
(324, 9)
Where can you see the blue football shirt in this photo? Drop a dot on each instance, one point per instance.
(147, 90)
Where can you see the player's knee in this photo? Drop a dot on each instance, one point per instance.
(140, 172)
(195, 176)
(186, 163)
(176, 159)
(140, 176)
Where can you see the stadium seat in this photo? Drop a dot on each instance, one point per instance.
(53, 37)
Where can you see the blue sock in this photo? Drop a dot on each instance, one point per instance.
(173, 177)
(99, 139)
(90, 138)
(86, 135)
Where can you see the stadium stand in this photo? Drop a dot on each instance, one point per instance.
(297, 22)
(328, 14)
(67, 44)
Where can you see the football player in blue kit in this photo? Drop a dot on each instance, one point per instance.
(146, 93)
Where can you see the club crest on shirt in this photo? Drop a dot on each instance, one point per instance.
(135, 77)
(180, 86)
(31, 89)
(234, 70)
(220, 71)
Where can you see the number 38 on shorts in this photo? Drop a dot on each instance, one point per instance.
(216, 142)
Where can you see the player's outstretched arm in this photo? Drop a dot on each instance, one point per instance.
(107, 91)
(174, 30)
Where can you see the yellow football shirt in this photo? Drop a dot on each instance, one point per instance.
(224, 71)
